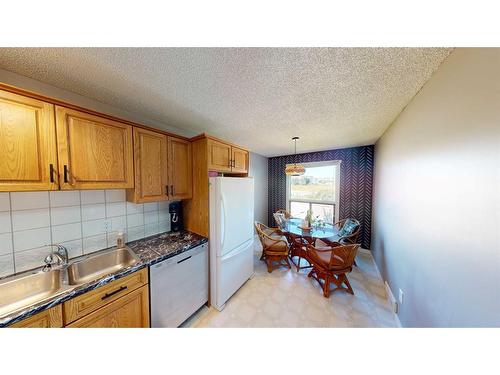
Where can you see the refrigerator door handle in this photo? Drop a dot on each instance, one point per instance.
(222, 221)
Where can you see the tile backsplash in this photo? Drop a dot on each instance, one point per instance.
(84, 221)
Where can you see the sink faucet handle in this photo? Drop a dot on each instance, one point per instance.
(49, 259)
(61, 252)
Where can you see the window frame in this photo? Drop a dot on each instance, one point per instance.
(337, 165)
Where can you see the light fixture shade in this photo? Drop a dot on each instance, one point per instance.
(295, 170)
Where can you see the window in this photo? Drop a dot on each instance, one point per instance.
(316, 190)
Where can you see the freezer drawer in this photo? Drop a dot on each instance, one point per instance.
(179, 287)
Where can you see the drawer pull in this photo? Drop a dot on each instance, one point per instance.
(107, 295)
(183, 260)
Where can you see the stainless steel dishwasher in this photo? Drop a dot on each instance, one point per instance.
(179, 287)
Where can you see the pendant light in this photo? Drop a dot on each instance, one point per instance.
(295, 169)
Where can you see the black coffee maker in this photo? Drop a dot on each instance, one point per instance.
(175, 209)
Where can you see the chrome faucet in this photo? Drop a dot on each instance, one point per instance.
(61, 255)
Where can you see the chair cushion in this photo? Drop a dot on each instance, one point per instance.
(348, 228)
(276, 246)
(324, 257)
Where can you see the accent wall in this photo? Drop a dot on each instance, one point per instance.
(356, 180)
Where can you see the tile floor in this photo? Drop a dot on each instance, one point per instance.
(285, 298)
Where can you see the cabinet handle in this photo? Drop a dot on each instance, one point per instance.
(173, 190)
(66, 172)
(120, 289)
(230, 163)
(234, 163)
(166, 189)
(51, 168)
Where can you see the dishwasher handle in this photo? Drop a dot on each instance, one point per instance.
(183, 260)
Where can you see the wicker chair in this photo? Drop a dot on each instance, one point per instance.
(340, 240)
(287, 214)
(331, 265)
(274, 246)
(280, 215)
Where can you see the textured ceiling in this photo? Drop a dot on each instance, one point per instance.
(257, 97)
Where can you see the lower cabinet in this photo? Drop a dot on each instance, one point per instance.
(129, 311)
(50, 318)
(123, 303)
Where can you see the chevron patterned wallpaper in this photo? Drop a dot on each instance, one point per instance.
(356, 181)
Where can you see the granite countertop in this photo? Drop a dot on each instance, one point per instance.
(150, 250)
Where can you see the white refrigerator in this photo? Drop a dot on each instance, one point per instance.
(231, 236)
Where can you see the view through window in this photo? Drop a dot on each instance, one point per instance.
(315, 190)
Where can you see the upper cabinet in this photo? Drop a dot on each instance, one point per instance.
(150, 160)
(239, 160)
(94, 152)
(219, 156)
(163, 168)
(45, 146)
(28, 159)
(210, 154)
(180, 170)
(223, 157)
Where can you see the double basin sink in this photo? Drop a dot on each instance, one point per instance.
(21, 291)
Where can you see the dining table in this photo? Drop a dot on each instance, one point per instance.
(294, 227)
(299, 237)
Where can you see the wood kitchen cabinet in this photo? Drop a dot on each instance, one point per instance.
(94, 152)
(129, 311)
(223, 157)
(122, 303)
(239, 159)
(180, 169)
(163, 168)
(219, 156)
(28, 159)
(150, 161)
(210, 154)
(50, 318)
(50, 145)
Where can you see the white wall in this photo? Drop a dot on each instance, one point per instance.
(259, 171)
(436, 214)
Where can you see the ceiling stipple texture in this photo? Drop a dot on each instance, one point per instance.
(257, 97)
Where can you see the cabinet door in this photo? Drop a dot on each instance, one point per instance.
(239, 159)
(180, 168)
(94, 152)
(219, 156)
(28, 159)
(50, 318)
(150, 159)
(129, 311)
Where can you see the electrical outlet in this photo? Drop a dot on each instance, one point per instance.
(400, 296)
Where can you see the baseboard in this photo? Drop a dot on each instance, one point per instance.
(390, 296)
(393, 303)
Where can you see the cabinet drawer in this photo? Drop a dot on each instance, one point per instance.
(129, 311)
(86, 303)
